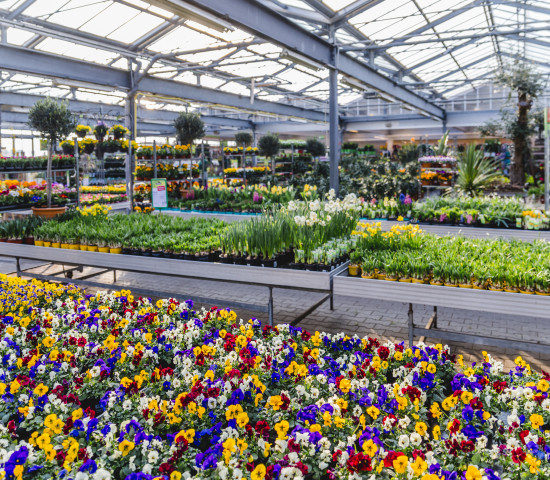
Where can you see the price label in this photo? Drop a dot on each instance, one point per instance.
(159, 193)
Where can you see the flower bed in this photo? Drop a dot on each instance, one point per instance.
(479, 211)
(32, 194)
(406, 254)
(110, 386)
(92, 198)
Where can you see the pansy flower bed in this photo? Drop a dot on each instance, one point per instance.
(111, 386)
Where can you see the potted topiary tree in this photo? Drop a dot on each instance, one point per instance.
(54, 121)
(316, 148)
(189, 127)
(269, 147)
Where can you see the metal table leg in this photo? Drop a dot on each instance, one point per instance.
(270, 306)
(411, 326)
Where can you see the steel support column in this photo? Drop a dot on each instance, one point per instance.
(130, 121)
(334, 124)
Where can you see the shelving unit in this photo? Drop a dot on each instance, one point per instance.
(437, 164)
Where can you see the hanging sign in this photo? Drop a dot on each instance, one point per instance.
(159, 193)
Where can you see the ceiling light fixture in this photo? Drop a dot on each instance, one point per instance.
(300, 60)
(61, 82)
(355, 84)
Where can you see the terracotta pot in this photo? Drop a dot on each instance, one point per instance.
(16, 240)
(48, 212)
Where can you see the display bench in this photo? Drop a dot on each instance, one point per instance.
(451, 297)
(270, 278)
(474, 232)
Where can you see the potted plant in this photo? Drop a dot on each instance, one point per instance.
(82, 130)
(189, 127)
(119, 132)
(100, 130)
(269, 146)
(54, 121)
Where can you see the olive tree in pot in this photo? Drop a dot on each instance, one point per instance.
(243, 138)
(269, 147)
(316, 148)
(189, 127)
(527, 85)
(54, 121)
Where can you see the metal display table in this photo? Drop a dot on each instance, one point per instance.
(270, 278)
(476, 232)
(452, 297)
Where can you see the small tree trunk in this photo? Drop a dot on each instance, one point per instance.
(517, 169)
(49, 174)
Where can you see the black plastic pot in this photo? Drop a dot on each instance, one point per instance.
(269, 263)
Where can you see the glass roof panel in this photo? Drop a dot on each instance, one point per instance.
(16, 36)
(337, 5)
(136, 29)
(68, 49)
(110, 19)
(10, 4)
(181, 38)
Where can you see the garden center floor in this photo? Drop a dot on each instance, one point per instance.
(380, 319)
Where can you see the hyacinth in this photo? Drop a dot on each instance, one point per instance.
(111, 386)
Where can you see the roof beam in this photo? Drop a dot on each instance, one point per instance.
(53, 66)
(20, 9)
(353, 10)
(93, 109)
(462, 68)
(452, 14)
(297, 13)
(265, 23)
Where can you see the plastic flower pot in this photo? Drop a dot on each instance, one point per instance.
(103, 249)
(15, 240)
(39, 243)
(56, 245)
(526, 292)
(47, 244)
(64, 245)
(405, 280)
(464, 285)
(354, 270)
(117, 250)
(368, 276)
(84, 248)
(438, 284)
(74, 246)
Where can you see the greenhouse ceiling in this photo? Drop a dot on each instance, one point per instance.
(268, 56)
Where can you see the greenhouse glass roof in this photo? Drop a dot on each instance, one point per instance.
(436, 48)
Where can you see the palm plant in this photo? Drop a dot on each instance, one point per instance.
(475, 172)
